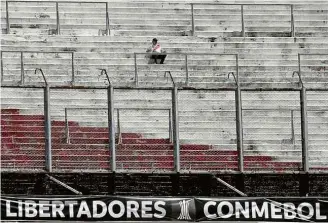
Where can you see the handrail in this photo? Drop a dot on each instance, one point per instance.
(44, 78)
(186, 61)
(33, 51)
(57, 11)
(118, 115)
(242, 14)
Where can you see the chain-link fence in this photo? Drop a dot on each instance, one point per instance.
(144, 130)
(318, 130)
(207, 130)
(22, 129)
(271, 131)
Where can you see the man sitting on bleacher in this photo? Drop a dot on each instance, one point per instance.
(156, 48)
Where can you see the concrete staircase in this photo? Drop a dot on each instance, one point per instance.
(206, 119)
(166, 19)
(263, 62)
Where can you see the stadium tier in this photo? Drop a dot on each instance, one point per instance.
(269, 52)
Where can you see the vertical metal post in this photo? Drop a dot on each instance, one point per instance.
(292, 20)
(1, 66)
(242, 21)
(299, 63)
(7, 17)
(66, 127)
(57, 18)
(135, 70)
(187, 72)
(119, 126)
(304, 128)
(47, 125)
(175, 118)
(239, 121)
(22, 68)
(292, 127)
(170, 125)
(73, 72)
(107, 20)
(111, 126)
(192, 20)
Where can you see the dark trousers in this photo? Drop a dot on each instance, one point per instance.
(161, 57)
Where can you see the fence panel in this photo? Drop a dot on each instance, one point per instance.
(22, 129)
(271, 131)
(144, 130)
(86, 149)
(207, 130)
(318, 130)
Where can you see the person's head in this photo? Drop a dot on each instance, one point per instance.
(154, 41)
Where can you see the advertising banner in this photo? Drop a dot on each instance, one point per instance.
(120, 208)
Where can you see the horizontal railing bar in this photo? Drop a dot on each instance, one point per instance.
(60, 2)
(239, 4)
(164, 88)
(201, 54)
(84, 108)
(277, 109)
(23, 51)
(313, 54)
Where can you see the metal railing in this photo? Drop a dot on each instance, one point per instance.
(22, 52)
(57, 3)
(118, 119)
(185, 62)
(174, 116)
(193, 24)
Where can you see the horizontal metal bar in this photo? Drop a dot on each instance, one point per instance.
(91, 108)
(280, 109)
(313, 54)
(204, 54)
(61, 2)
(25, 51)
(163, 88)
(239, 4)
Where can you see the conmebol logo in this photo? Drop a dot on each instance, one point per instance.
(184, 214)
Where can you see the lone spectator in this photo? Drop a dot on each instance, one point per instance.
(156, 48)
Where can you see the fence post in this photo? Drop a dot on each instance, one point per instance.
(57, 19)
(73, 72)
(111, 126)
(47, 125)
(66, 127)
(7, 17)
(192, 20)
(175, 118)
(292, 127)
(1, 66)
(170, 125)
(135, 70)
(304, 129)
(187, 72)
(22, 68)
(292, 21)
(242, 21)
(107, 20)
(239, 120)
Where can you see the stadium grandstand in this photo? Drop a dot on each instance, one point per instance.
(239, 107)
